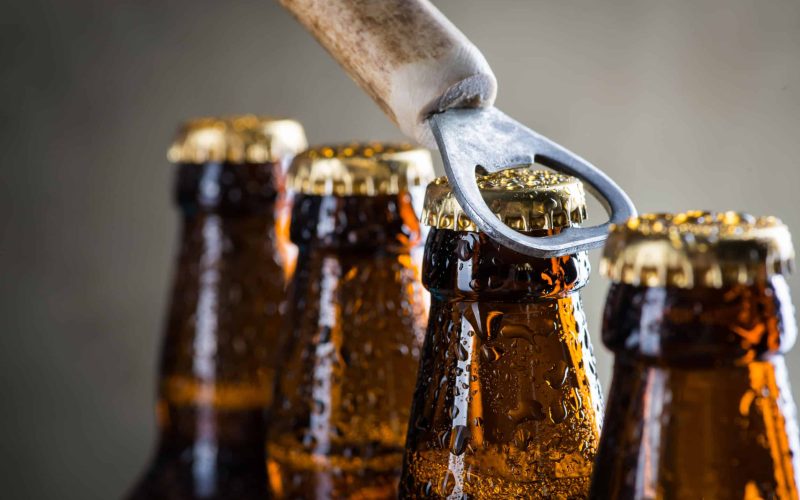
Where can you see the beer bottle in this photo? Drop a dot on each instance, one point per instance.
(698, 317)
(356, 321)
(507, 403)
(217, 356)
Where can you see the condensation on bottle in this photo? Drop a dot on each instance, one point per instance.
(507, 403)
(699, 317)
(218, 357)
(356, 319)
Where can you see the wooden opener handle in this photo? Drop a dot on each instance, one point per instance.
(405, 54)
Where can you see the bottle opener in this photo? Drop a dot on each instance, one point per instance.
(439, 89)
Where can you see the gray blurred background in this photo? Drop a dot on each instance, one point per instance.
(688, 104)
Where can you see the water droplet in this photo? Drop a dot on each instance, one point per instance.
(496, 282)
(536, 411)
(570, 271)
(558, 412)
(494, 321)
(557, 375)
(491, 354)
(459, 439)
(372, 398)
(464, 250)
(518, 331)
(447, 484)
(461, 352)
(444, 438)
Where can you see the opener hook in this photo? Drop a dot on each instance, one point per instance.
(487, 137)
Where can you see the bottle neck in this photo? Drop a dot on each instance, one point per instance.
(700, 327)
(383, 223)
(466, 265)
(228, 189)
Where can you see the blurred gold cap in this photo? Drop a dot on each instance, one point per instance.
(360, 169)
(237, 139)
(524, 198)
(697, 249)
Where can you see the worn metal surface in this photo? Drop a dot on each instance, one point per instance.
(486, 137)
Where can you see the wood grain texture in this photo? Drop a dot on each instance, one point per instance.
(404, 53)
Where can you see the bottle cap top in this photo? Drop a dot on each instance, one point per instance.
(524, 198)
(360, 169)
(237, 139)
(697, 249)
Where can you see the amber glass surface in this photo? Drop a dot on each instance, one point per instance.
(700, 405)
(507, 403)
(216, 372)
(358, 317)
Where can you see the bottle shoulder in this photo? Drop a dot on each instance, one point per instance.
(502, 384)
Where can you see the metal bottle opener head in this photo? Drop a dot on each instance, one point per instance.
(488, 138)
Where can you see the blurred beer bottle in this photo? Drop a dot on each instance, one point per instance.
(507, 403)
(699, 316)
(357, 315)
(216, 372)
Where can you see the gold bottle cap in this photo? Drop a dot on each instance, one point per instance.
(237, 139)
(524, 198)
(697, 249)
(360, 169)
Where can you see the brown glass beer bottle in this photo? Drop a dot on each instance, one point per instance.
(216, 372)
(698, 317)
(507, 403)
(356, 320)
